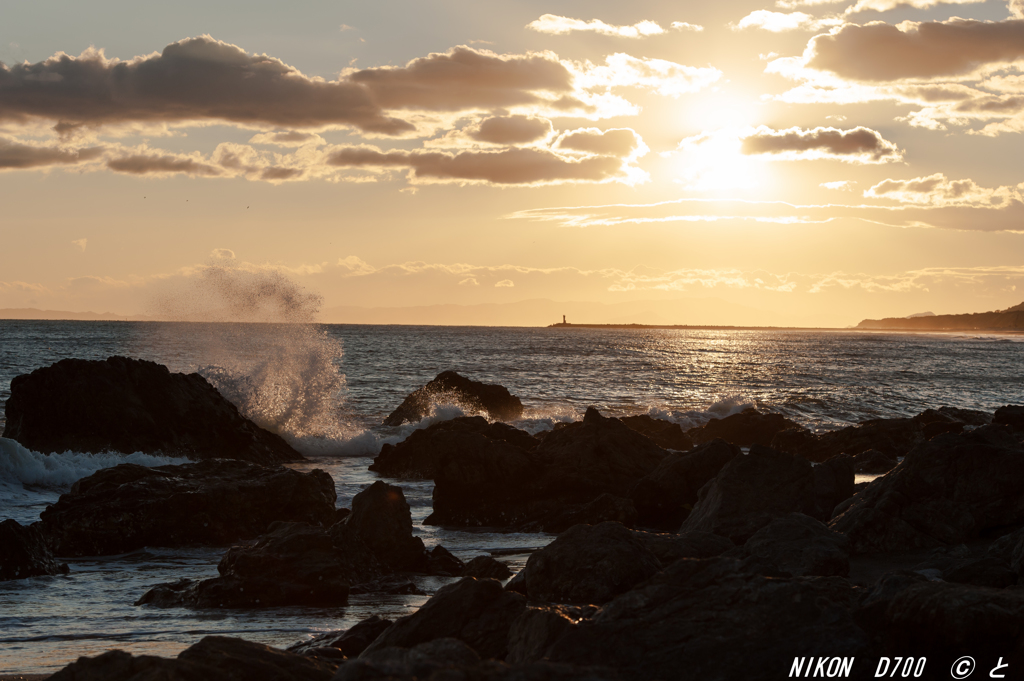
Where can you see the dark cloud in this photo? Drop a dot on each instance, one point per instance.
(14, 155)
(616, 142)
(859, 143)
(510, 166)
(512, 130)
(464, 78)
(272, 174)
(141, 164)
(881, 52)
(194, 79)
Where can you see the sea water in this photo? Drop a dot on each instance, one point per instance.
(327, 388)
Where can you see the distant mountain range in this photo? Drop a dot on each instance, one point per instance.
(1010, 319)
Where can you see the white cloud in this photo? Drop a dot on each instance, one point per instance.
(505, 283)
(778, 22)
(80, 243)
(559, 25)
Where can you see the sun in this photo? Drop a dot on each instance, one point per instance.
(714, 162)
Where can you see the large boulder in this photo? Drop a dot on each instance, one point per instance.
(716, 619)
(216, 502)
(801, 546)
(891, 437)
(589, 564)
(946, 491)
(213, 657)
(449, 387)
(348, 642)
(834, 482)
(665, 434)
(578, 473)
(749, 427)
(750, 491)
(670, 547)
(873, 461)
(1010, 415)
(131, 405)
(381, 518)
(294, 564)
(665, 496)
(302, 564)
(478, 612)
(24, 553)
(421, 455)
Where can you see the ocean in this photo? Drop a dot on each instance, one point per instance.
(327, 388)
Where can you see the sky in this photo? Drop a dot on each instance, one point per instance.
(807, 162)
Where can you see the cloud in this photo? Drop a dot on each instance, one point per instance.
(80, 243)
(777, 22)
(16, 155)
(222, 254)
(292, 138)
(920, 50)
(469, 281)
(512, 130)
(621, 142)
(191, 80)
(657, 75)
(857, 145)
(509, 166)
(938, 190)
(160, 165)
(887, 5)
(845, 185)
(559, 25)
(505, 283)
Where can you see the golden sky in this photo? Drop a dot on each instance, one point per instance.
(805, 162)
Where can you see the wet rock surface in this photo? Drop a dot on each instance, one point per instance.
(665, 434)
(450, 387)
(946, 491)
(589, 564)
(558, 483)
(749, 427)
(213, 657)
(216, 502)
(349, 642)
(24, 553)
(129, 405)
(303, 564)
(477, 612)
(664, 497)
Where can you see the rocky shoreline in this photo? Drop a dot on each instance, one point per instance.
(729, 551)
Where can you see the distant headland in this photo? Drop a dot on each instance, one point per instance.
(692, 327)
(1008, 320)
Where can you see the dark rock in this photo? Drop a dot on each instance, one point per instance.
(24, 553)
(944, 621)
(442, 562)
(604, 508)
(668, 548)
(216, 502)
(1012, 416)
(873, 461)
(749, 427)
(214, 657)
(715, 619)
(664, 497)
(892, 437)
(946, 491)
(833, 483)
(485, 567)
(750, 491)
(589, 564)
(350, 642)
(536, 630)
(665, 434)
(1010, 548)
(295, 564)
(983, 571)
(556, 483)
(421, 455)
(390, 584)
(451, 388)
(801, 546)
(478, 612)
(382, 520)
(129, 405)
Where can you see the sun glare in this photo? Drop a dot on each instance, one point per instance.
(714, 161)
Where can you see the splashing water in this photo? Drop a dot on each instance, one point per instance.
(271, 359)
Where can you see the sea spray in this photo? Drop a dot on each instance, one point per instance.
(20, 466)
(267, 354)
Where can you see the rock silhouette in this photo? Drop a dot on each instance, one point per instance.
(450, 387)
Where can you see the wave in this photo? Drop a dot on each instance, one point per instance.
(21, 467)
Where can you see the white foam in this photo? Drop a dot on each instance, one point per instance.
(20, 466)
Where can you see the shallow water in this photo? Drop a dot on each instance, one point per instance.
(348, 378)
